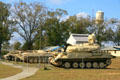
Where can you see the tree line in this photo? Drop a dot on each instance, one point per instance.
(41, 27)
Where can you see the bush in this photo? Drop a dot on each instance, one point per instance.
(4, 52)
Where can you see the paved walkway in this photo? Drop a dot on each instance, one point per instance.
(27, 72)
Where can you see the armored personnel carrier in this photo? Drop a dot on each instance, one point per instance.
(87, 55)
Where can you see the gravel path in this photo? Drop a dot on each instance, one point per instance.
(27, 71)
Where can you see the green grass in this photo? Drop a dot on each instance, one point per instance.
(112, 73)
(6, 71)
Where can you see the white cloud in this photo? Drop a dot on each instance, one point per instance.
(78, 15)
(82, 14)
(65, 18)
(58, 2)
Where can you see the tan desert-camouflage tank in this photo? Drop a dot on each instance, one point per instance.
(31, 56)
(87, 55)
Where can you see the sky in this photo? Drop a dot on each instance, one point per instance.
(111, 8)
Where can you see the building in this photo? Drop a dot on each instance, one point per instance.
(77, 39)
(115, 51)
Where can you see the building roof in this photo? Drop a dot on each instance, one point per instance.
(80, 37)
(110, 48)
(117, 47)
(49, 48)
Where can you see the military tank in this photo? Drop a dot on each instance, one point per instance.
(87, 55)
(29, 56)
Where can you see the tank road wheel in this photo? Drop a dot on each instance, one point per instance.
(95, 65)
(75, 65)
(108, 62)
(30, 60)
(67, 65)
(101, 65)
(59, 63)
(35, 60)
(88, 65)
(82, 65)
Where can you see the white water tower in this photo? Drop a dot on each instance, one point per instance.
(99, 17)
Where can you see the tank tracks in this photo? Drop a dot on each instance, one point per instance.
(85, 64)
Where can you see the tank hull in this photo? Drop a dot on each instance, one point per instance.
(100, 63)
(82, 60)
(33, 56)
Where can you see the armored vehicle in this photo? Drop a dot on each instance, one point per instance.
(31, 56)
(85, 58)
(87, 55)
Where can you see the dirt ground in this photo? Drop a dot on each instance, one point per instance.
(111, 73)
